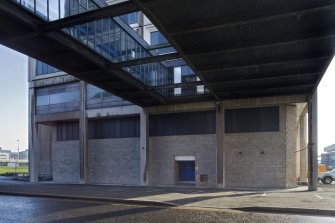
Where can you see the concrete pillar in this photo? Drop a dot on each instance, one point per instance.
(34, 151)
(313, 143)
(144, 147)
(303, 150)
(219, 145)
(83, 146)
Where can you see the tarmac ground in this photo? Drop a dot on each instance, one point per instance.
(295, 201)
(47, 210)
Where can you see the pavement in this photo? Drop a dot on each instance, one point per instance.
(51, 210)
(296, 201)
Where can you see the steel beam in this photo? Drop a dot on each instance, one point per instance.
(180, 85)
(273, 91)
(283, 62)
(146, 60)
(270, 78)
(245, 19)
(278, 42)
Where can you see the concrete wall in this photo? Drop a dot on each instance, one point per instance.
(162, 152)
(65, 159)
(114, 161)
(44, 138)
(246, 167)
(291, 145)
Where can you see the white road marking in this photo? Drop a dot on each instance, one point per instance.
(318, 196)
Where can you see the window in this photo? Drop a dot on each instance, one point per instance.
(43, 68)
(67, 131)
(264, 119)
(157, 38)
(130, 18)
(122, 127)
(58, 98)
(99, 98)
(187, 123)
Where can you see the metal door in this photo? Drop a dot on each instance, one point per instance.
(186, 171)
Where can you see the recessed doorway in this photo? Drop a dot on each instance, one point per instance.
(186, 172)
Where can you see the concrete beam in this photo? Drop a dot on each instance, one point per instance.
(313, 142)
(56, 117)
(187, 107)
(260, 101)
(114, 111)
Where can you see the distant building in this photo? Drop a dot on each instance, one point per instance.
(328, 157)
(23, 155)
(8, 155)
(4, 156)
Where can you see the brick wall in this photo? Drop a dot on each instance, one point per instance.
(247, 167)
(162, 152)
(114, 161)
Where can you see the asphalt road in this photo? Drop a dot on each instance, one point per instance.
(29, 209)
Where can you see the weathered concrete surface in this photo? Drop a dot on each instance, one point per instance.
(114, 161)
(55, 210)
(297, 200)
(66, 161)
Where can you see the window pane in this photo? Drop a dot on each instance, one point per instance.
(67, 131)
(42, 100)
(93, 92)
(59, 98)
(41, 8)
(122, 127)
(53, 10)
(187, 123)
(264, 119)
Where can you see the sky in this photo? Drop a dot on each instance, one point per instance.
(14, 102)
(13, 99)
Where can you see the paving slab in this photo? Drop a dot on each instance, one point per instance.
(297, 200)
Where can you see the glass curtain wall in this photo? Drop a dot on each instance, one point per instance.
(43, 68)
(51, 10)
(58, 98)
(99, 98)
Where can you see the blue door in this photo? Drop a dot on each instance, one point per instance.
(186, 171)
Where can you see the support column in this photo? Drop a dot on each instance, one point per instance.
(313, 143)
(219, 146)
(83, 147)
(303, 150)
(144, 147)
(34, 152)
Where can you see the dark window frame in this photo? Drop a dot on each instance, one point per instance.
(67, 131)
(253, 119)
(183, 123)
(114, 128)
